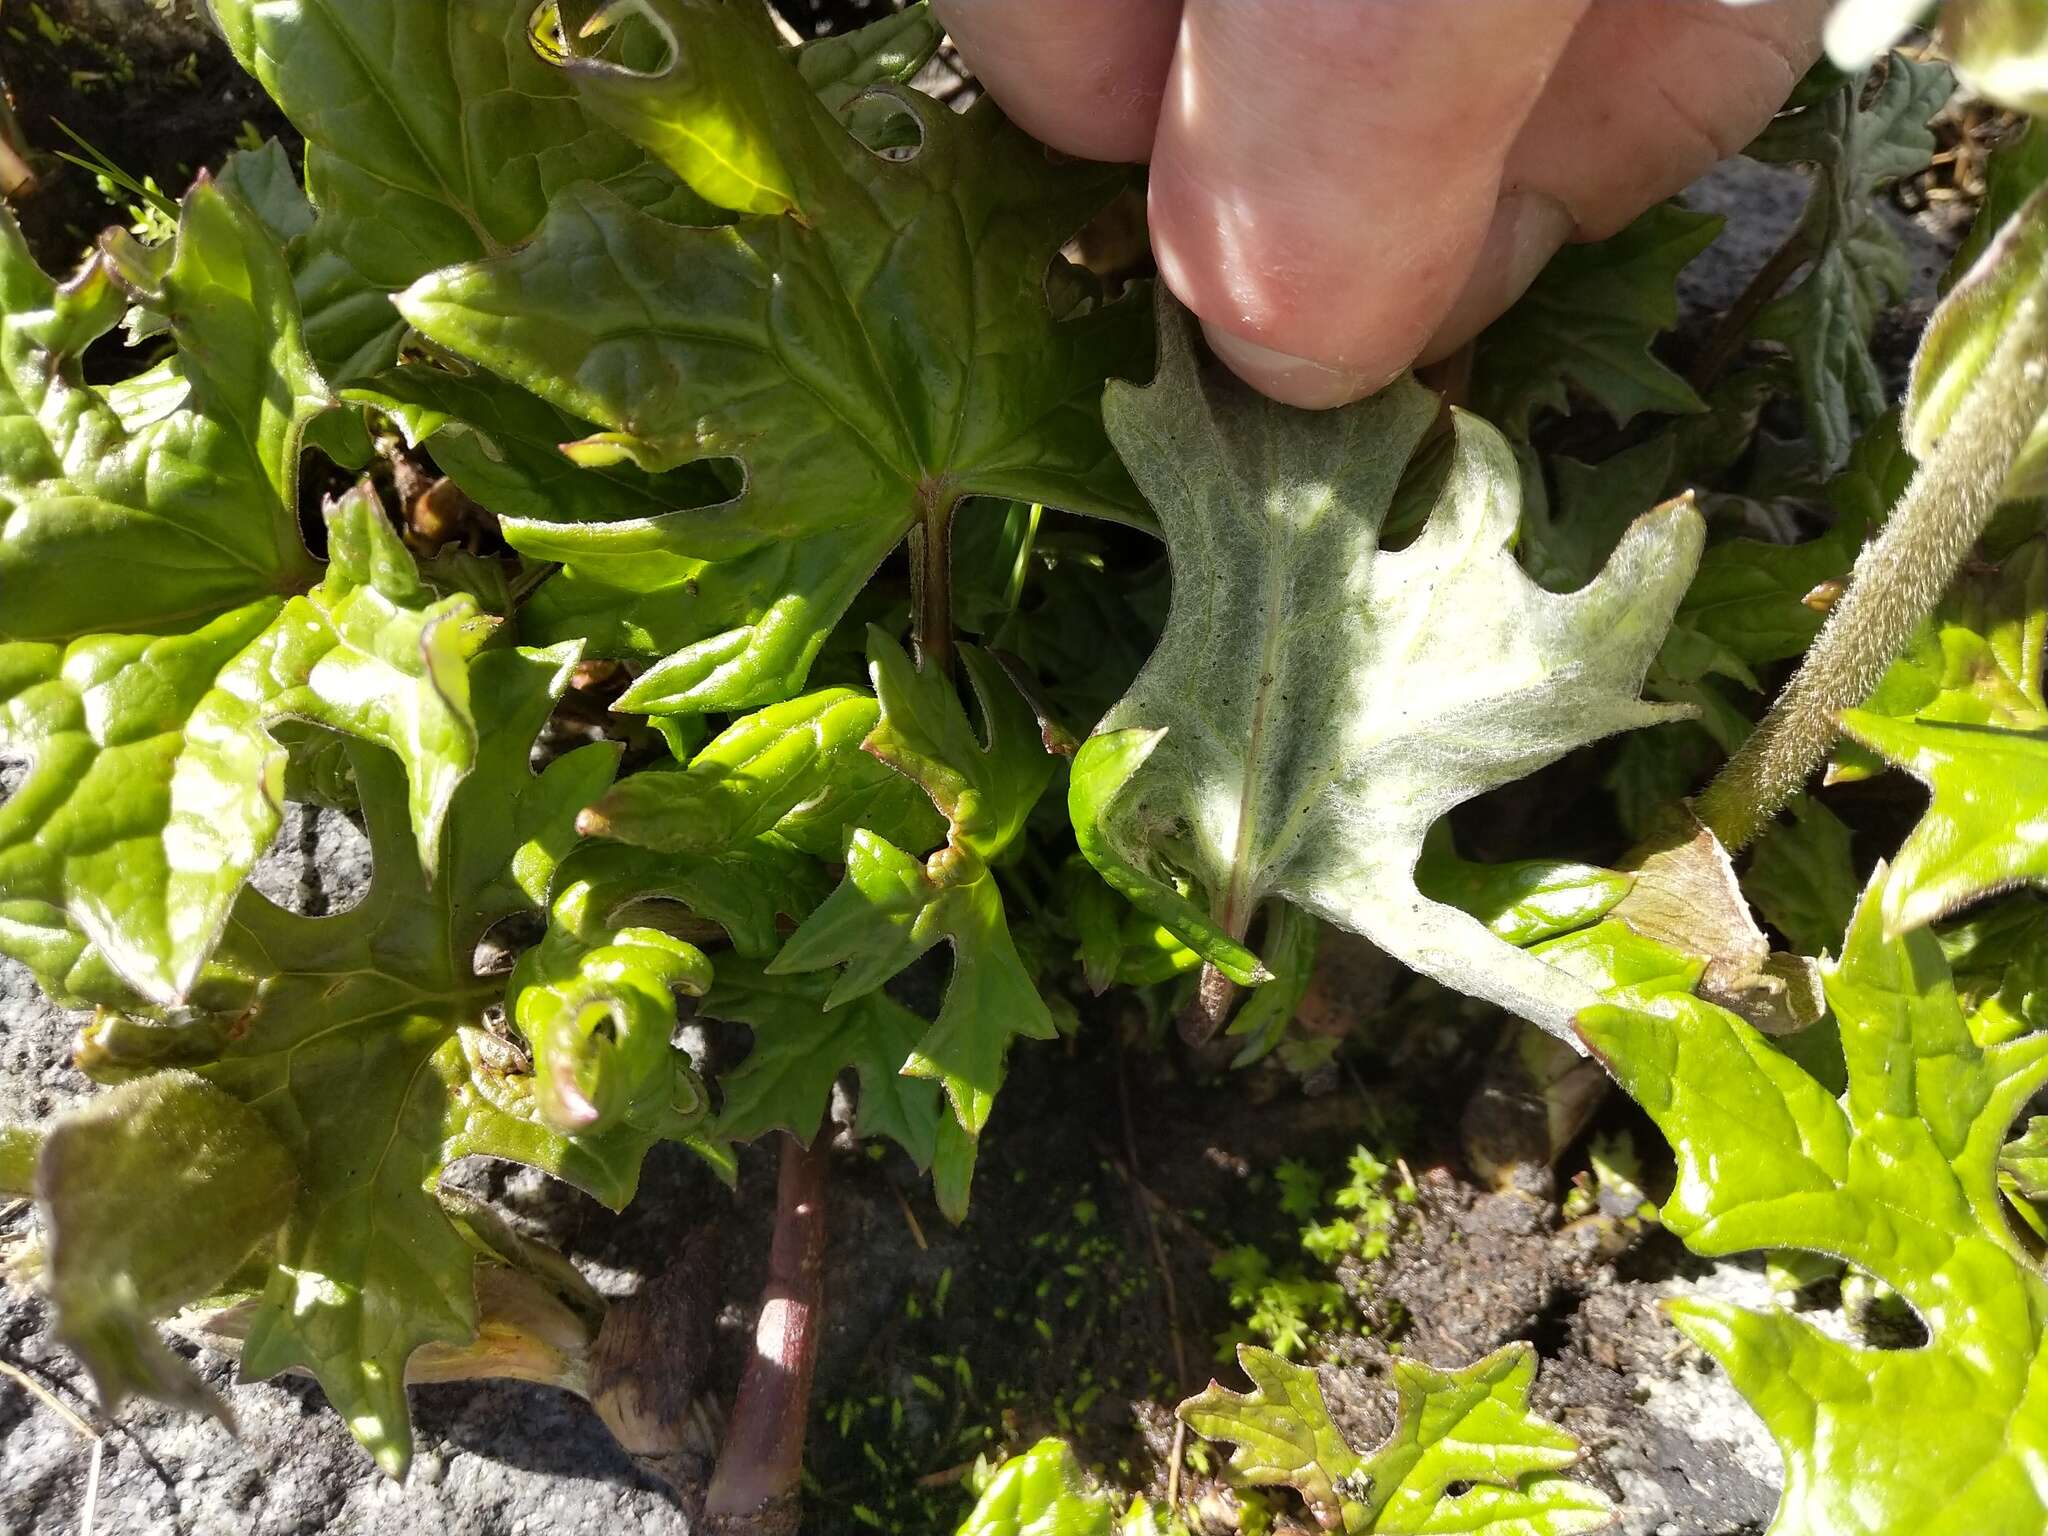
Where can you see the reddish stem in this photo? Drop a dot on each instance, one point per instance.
(931, 579)
(754, 1490)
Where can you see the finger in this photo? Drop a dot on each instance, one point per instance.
(1083, 75)
(1325, 172)
(1645, 100)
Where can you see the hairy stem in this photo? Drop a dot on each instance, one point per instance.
(1897, 581)
(931, 580)
(754, 1490)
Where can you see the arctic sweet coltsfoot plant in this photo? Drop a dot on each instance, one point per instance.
(796, 438)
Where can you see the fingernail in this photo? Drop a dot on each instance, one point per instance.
(1527, 229)
(1288, 379)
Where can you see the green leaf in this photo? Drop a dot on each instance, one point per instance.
(153, 1195)
(1611, 956)
(264, 180)
(893, 907)
(2024, 1160)
(1899, 1177)
(597, 1006)
(1588, 321)
(888, 911)
(872, 357)
(1802, 878)
(984, 784)
(1653, 768)
(365, 1049)
(795, 771)
(744, 888)
(801, 1045)
(1466, 1454)
(1966, 329)
(1986, 828)
(1291, 942)
(1976, 660)
(155, 785)
(1041, 1492)
(1567, 538)
(1316, 703)
(193, 515)
(1523, 901)
(502, 446)
(2000, 958)
(1857, 265)
(434, 135)
(19, 1147)
(1107, 762)
(2013, 172)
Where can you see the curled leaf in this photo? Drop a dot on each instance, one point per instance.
(597, 1007)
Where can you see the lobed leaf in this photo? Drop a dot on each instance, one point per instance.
(1897, 1176)
(1856, 140)
(795, 771)
(790, 341)
(1588, 321)
(1986, 828)
(597, 1006)
(893, 907)
(1466, 1453)
(156, 785)
(191, 513)
(386, 999)
(1802, 879)
(434, 134)
(801, 1045)
(1316, 703)
(1976, 660)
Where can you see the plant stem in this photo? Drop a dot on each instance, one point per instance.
(1731, 331)
(931, 579)
(1897, 581)
(754, 1490)
(1208, 1010)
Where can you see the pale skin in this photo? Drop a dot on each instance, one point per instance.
(1343, 188)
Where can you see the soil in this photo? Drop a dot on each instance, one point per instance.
(1078, 1296)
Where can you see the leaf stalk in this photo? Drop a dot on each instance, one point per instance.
(931, 579)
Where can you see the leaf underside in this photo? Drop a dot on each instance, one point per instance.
(1292, 752)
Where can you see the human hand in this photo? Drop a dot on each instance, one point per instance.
(1343, 187)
